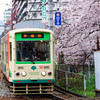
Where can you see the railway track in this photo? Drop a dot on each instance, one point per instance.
(70, 94)
(59, 94)
(44, 97)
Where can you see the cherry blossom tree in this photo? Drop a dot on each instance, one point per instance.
(78, 36)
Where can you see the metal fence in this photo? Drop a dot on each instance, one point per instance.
(64, 67)
(70, 80)
(88, 69)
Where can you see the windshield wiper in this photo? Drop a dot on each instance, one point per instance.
(33, 62)
(33, 59)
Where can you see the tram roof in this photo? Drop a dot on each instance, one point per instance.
(30, 30)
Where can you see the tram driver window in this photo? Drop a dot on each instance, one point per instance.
(33, 51)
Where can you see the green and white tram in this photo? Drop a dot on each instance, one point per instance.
(27, 60)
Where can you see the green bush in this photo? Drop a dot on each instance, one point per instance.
(90, 86)
(77, 85)
(61, 82)
(56, 64)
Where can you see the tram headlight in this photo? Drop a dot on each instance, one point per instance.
(24, 73)
(43, 73)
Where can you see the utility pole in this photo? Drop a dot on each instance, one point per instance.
(50, 14)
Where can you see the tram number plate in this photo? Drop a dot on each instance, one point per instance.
(33, 73)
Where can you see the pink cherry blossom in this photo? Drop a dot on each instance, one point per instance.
(77, 35)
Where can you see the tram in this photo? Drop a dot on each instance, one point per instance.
(27, 60)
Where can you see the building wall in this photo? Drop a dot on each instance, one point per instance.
(7, 15)
(1, 30)
(30, 9)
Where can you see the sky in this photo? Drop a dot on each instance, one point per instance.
(3, 7)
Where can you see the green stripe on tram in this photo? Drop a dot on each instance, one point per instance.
(34, 81)
(10, 73)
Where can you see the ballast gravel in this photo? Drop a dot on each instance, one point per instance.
(5, 94)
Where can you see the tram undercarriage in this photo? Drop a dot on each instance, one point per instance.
(32, 88)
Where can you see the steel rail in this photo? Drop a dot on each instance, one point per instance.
(47, 97)
(70, 93)
(39, 97)
(55, 97)
(28, 98)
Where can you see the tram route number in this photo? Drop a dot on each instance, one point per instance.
(33, 73)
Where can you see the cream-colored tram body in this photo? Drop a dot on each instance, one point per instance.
(27, 60)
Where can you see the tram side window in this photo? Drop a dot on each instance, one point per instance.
(10, 51)
(6, 51)
(2, 52)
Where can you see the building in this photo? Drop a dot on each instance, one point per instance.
(1, 26)
(7, 20)
(7, 15)
(30, 9)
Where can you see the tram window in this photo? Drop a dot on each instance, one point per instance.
(33, 50)
(2, 52)
(10, 51)
(6, 52)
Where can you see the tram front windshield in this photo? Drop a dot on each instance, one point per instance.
(33, 51)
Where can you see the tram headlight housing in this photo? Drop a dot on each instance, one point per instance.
(17, 73)
(43, 73)
(49, 73)
(24, 74)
